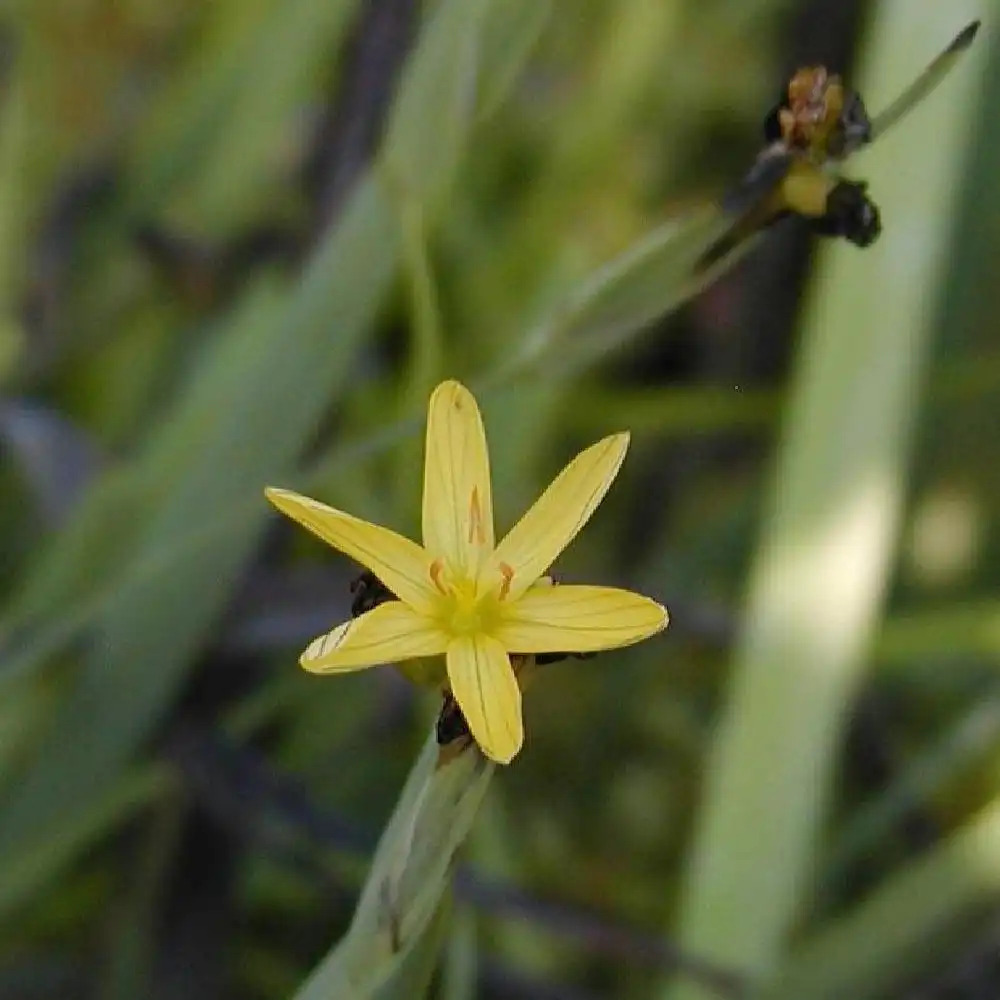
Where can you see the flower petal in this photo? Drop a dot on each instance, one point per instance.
(556, 517)
(483, 683)
(574, 619)
(402, 565)
(386, 634)
(458, 504)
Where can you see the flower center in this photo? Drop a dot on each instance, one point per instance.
(464, 609)
(466, 616)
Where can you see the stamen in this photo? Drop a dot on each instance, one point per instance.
(436, 568)
(507, 573)
(476, 533)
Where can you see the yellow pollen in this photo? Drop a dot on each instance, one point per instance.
(476, 533)
(436, 567)
(507, 573)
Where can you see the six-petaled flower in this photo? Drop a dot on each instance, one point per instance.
(463, 596)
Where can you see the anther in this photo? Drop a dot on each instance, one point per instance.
(436, 568)
(476, 533)
(507, 573)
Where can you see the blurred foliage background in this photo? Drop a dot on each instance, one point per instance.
(239, 243)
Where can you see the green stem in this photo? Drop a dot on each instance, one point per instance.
(394, 936)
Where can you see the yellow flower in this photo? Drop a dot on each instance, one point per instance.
(463, 596)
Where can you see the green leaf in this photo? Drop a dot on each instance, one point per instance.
(242, 421)
(511, 30)
(214, 134)
(40, 862)
(905, 926)
(621, 298)
(253, 405)
(431, 117)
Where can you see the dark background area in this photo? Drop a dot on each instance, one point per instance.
(217, 273)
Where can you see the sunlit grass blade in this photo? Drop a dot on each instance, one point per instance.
(817, 585)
